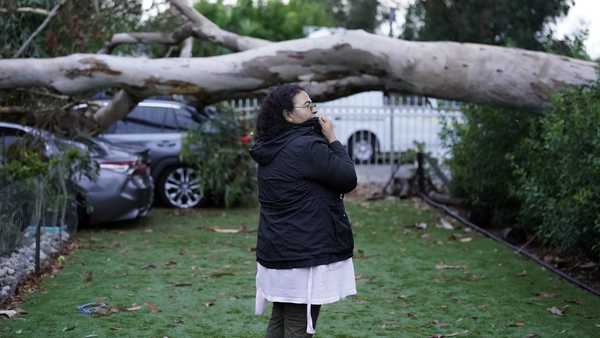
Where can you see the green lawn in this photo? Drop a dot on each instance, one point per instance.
(194, 282)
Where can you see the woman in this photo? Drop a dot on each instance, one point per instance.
(304, 245)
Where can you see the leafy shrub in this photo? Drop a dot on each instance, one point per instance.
(481, 148)
(35, 189)
(226, 170)
(560, 180)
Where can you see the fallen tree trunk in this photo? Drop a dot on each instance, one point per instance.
(465, 72)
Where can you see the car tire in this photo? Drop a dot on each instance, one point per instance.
(179, 187)
(362, 147)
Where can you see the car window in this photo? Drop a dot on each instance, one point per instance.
(13, 139)
(189, 119)
(171, 123)
(8, 137)
(145, 120)
(133, 127)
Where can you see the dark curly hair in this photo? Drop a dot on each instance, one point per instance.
(270, 121)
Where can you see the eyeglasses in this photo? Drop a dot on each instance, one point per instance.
(308, 105)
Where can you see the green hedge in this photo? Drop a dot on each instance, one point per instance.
(482, 147)
(559, 184)
(539, 171)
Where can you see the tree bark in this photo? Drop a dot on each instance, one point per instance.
(121, 104)
(173, 38)
(363, 61)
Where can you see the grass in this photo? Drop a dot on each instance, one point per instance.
(193, 282)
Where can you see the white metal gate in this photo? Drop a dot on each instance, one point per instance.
(377, 129)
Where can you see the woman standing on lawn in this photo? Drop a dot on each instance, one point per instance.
(304, 245)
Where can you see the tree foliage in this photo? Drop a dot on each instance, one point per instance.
(559, 182)
(271, 20)
(276, 20)
(495, 22)
(218, 151)
(78, 27)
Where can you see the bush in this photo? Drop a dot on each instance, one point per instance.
(481, 170)
(226, 170)
(560, 181)
(35, 189)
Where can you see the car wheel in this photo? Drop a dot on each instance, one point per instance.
(362, 147)
(179, 187)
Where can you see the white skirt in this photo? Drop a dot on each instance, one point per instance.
(322, 284)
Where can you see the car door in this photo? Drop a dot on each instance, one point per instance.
(145, 126)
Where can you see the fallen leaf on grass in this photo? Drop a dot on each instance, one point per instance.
(518, 323)
(152, 307)
(438, 324)
(217, 274)
(444, 224)
(555, 311)
(544, 295)
(421, 226)
(242, 228)
(134, 307)
(443, 266)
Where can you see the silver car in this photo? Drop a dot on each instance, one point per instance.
(123, 188)
(160, 126)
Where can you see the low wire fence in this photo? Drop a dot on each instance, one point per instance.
(35, 222)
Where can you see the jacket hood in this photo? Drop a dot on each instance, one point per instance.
(264, 151)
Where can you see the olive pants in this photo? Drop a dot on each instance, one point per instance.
(289, 320)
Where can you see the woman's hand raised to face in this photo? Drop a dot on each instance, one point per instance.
(327, 128)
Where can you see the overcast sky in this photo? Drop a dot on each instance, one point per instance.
(584, 14)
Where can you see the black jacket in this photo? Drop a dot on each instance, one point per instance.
(301, 182)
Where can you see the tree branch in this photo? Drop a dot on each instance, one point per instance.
(174, 38)
(121, 104)
(30, 10)
(13, 110)
(40, 28)
(464, 72)
(205, 29)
